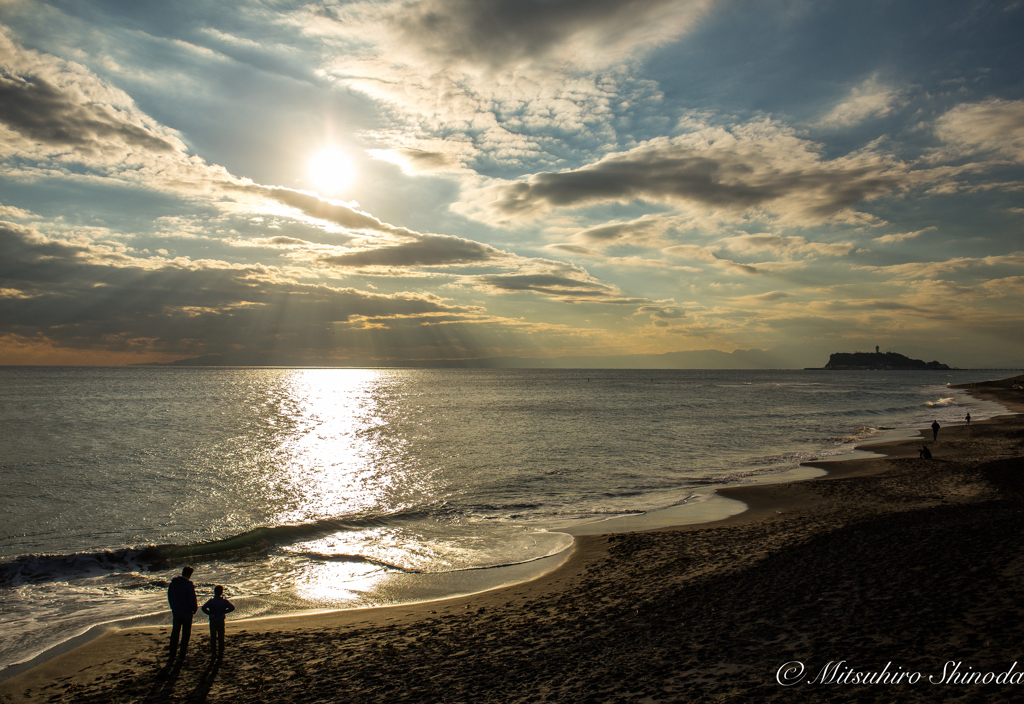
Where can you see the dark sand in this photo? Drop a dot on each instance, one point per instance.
(892, 560)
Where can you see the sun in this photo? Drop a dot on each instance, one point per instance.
(331, 171)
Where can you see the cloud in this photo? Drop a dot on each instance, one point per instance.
(427, 250)
(662, 316)
(314, 206)
(708, 254)
(771, 296)
(876, 304)
(50, 107)
(60, 114)
(759, 165)
(556, 280)
(994, 126)
(417, 161)
(868, 100)
(903, 236)
(500, 34)
(76, 296)
(926, 270)
(59, 121)
(574, 249)
(663, 312)
(644, 231)
(39, 111)
(9, 211)
(787, 247)
(282, 242)
(500, 83)
(1006, 286)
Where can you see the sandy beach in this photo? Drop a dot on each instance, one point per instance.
(899, 566)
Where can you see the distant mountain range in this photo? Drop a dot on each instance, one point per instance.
(778, 358)
(878, 360)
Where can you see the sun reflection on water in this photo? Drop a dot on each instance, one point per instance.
(345, 461)
(332, 458)
(354, 467)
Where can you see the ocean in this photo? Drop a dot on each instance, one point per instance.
(306, 489)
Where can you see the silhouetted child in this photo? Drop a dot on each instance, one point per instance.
(924, 453)
(217, 608)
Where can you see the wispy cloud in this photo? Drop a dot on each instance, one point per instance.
(710, 255)
(995, 126)
(786, 247)
(903, 236)
(870, 99)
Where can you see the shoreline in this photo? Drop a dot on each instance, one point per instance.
(604, 576)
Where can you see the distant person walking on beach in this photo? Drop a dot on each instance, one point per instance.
(968, 418)
(181, 595)
(217, 609)
(935, 430)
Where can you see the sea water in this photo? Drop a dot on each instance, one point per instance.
(304, 489)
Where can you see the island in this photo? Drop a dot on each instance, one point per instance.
(878, 361)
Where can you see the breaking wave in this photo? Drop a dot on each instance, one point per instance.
(34, 569)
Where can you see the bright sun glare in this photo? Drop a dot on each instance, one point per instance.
(331, 171)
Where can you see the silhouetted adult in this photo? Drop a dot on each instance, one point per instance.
(935, 430)
(968, 418)
(181, 595)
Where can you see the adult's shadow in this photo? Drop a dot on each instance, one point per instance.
(206, 679)
(165, 680)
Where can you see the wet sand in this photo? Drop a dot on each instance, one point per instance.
(896, 560)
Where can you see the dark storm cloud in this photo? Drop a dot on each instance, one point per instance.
(736, 179)
(68, 296)
(43, 112)
(498, 33)
(426, 251)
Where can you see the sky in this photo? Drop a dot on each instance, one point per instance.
(375, 183)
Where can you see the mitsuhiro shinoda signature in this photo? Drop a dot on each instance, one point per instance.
(841, 672)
